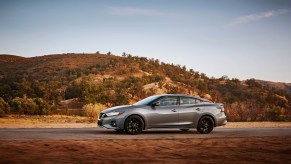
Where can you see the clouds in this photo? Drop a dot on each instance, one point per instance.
(133, 11)
(258, 16)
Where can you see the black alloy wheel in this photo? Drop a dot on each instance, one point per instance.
(205, 125)
(134, 125)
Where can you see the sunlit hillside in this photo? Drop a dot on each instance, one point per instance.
(45, 84)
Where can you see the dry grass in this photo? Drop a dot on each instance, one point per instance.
(48, 121)
(28, 119)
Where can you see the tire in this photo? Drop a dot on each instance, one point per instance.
(134, 125)
(184, 130)
(205, 125)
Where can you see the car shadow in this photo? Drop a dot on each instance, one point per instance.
(145, 132)
(168, 132)
(149, 132)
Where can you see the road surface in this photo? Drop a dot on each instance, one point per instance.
(99, 133)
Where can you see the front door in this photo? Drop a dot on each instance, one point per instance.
(165, 113)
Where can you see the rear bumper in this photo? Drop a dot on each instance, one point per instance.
(221, 120)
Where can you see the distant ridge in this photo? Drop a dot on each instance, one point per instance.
(6, 58)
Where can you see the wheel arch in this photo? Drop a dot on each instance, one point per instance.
(209, 115)
(144, 122)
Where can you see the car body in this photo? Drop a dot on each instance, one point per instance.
(164, 111)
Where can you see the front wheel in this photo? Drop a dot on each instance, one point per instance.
(205, 125)
(134, 125)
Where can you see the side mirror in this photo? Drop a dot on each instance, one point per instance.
(157, 103)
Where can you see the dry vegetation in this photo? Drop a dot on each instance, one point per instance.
(40, 119)
(62, 84)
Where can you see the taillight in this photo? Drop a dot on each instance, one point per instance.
(221, 108)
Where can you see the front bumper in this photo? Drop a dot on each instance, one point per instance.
(114, 122)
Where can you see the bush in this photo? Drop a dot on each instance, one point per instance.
(273, 114)
(92, 110)
(2, 113)
(36, 106)
(4, 106)
(16, 105)
(43, 107)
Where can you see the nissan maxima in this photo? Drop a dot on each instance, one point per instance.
(183, 112)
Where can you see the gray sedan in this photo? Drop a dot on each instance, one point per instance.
(164, 111)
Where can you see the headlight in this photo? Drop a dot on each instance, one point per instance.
(113, 114)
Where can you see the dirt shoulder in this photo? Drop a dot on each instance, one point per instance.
(63, 121)
(257, 125)
(209, 150)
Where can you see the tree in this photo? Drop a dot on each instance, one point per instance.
(4, 106)
(6, 92)
(24, 88)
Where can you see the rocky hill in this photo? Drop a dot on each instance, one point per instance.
(114, 80)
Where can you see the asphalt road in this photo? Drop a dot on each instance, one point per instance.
(98, 133)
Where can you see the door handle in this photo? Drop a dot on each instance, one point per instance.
(198, 109)
(174, 110)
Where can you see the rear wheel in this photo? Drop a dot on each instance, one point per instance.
(134, 125)
(184, 130)
(205, 125)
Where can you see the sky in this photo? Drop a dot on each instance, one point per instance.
(239, 38)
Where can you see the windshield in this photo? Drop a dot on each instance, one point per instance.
(147, 100)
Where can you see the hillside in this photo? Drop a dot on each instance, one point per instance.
(44, 84)
(276, 85)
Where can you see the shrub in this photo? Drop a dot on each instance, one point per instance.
(2, 113)
(36, 106)
(92, 110)
(30, 107)
(273, 114)
(16, 105)
(43, 107)
(4, 106)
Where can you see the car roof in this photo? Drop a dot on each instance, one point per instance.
(181, 95)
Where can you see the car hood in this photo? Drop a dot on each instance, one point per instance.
(118, 108)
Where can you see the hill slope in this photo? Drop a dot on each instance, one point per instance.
(276, 85)
(114, 80)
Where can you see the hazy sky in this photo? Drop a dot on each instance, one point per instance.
(238, 38)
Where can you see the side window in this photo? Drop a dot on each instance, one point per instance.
(187, 100)
(168, 101)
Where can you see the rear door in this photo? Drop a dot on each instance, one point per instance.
(189, 110)
(166, 113)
